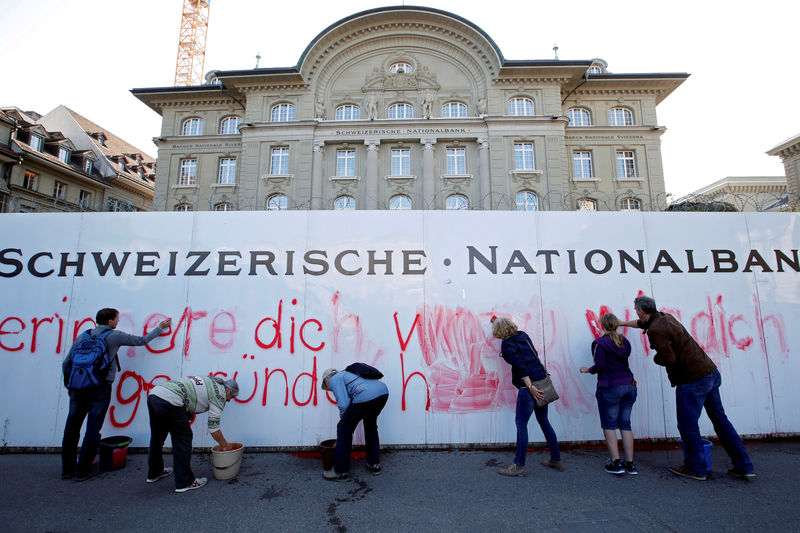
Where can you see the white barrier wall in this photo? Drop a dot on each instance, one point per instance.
(274, 298)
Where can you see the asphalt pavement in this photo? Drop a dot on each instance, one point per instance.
(438, 491)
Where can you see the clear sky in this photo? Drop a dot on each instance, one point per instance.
(740, 101)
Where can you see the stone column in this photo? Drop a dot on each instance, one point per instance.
(316, 176)
(484, 182)
(428, 179)
(372, 174)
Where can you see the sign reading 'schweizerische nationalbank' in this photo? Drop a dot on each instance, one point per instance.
(273, 298)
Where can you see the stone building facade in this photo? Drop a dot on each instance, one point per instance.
(789, 152)
(737, 193)
(412, 108)
(63, 162)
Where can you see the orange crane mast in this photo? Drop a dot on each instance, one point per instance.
(192, 43)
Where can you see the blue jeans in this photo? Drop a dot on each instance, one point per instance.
(167, 419)
(690, 399)
(356, 412)
(525, 406)
(615, 405)
(90, 404)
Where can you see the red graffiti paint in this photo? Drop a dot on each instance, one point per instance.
(277, 326)
(140, 386)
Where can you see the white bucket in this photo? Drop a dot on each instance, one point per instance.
(226, 464)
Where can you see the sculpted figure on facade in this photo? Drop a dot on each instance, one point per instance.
(427, 104)
(319, 109)
(372, 106)
(481, 106)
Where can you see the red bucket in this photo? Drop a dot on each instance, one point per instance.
(114, 452)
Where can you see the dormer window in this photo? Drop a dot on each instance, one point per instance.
(36, 142)
(64, 154)
(87, 166)
(101, 139)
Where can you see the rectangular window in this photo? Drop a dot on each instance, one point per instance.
(279, 161)
(346, 163)
(60, 190)
(188, 174)
(626, 164)
(87, 166)
(523, 156)
(114, 205)
(84, 198)
(456, 161)
(36, 142)
(582, 164)
(227, 171)
(401, 162)
(30, 180)
(63, 155)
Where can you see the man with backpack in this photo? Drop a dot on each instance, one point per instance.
(359, 396)
(89, 371)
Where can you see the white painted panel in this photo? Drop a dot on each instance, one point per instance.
(239, 284)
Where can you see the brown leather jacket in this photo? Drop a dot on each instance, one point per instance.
(676, 350)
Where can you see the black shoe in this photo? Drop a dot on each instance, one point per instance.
(83, 476)
(331, 475)
(375, 469)
(67, 475)
(735, 472)
(630, 467)
(682, 470)
(614, 467)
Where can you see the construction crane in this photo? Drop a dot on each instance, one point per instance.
(192, 43)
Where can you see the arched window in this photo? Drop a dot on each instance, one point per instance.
(454, 110)
(630, 204)
(282, 113)
(400, 202)
(527, 201)
(184, 208)
(401, 111)
(192, 126)
(277, 202)
(223, 206)
(344, 203)
(579, 116)
(230, 125)
(620, 116)
(348, 112)
(586, 204)
(456, 202)
(400, 67)
(520, 107)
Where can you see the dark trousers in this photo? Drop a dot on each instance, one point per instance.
(526, 405)
(356, 412)
(690, 400)
(90, 404)
(167, 419)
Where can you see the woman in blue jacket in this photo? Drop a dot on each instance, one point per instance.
(518, 351)
(616, 393)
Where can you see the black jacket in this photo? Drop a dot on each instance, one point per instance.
(518, 351)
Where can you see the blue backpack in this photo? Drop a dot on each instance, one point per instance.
(88, 362)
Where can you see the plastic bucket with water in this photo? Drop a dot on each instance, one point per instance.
(327, 449)
(114, 452)
(707, 444)
(226, 464)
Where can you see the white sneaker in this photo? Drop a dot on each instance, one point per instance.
(167, 472)
(196, 484)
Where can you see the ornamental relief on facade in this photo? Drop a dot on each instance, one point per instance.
(420, 78)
